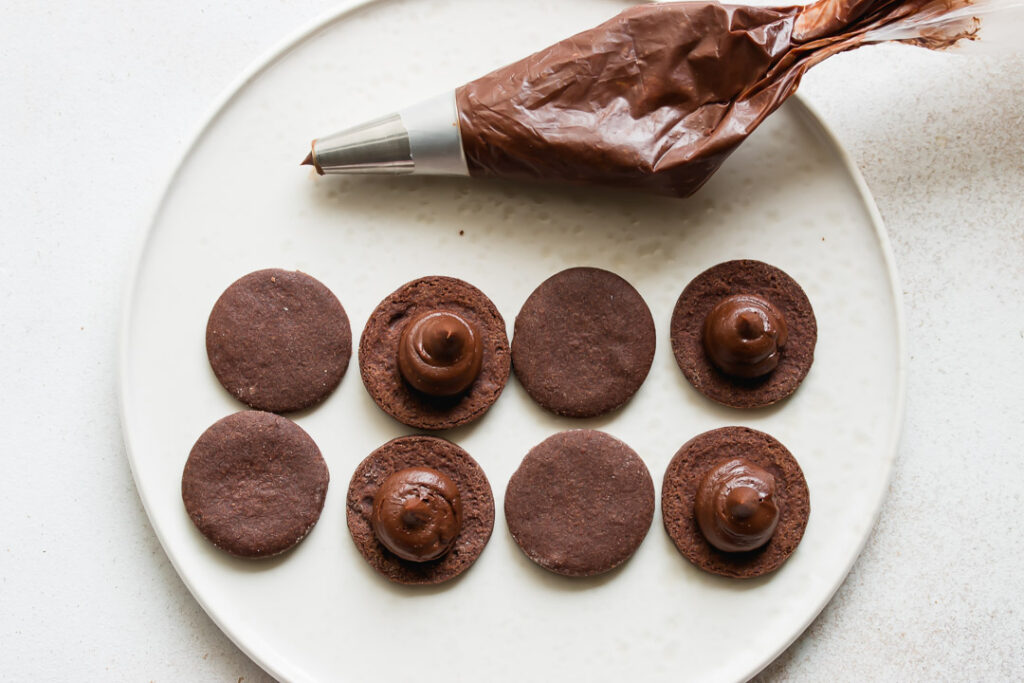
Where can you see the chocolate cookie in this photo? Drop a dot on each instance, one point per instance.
(583, 342)
(254, 484)
(580, 503)
(768, 285)
(278, 340)
(687, 470)
(476, 513)
(383, 337)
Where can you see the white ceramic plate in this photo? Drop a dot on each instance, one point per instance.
(239, 202)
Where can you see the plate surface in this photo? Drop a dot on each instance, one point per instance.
(240, 202)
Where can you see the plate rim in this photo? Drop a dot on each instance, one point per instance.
(808, 112)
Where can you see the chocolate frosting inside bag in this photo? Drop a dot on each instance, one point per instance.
(658, 97)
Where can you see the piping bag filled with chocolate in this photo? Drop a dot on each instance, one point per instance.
(656, 98)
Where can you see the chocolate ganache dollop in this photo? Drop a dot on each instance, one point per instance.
(744, 335)
(440, 353)
(417, 514)
(735, 506)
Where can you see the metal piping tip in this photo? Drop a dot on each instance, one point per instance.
(421, 139)
(379, 146)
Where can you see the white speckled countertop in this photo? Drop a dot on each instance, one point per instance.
(99, 99)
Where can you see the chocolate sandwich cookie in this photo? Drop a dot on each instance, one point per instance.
(743, 333)
(278, 340)
(580, 503)
(735, 502)
(434, 354)
(254, 484)
(583, 342)
(420, 510)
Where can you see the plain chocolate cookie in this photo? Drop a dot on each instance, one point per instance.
(679, 490)
(278, 340)
(254, 484)
(378, 354)
(583, 342)
(580, 503)
(743, 277)
(447, 458)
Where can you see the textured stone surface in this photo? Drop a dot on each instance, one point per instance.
(937, 138)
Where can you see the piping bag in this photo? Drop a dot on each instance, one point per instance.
(655, 98)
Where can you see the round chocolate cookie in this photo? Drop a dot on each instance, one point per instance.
(583, 342)
(689, 467)
(254, 484)
(477, 507)
(744, 277)
(382, 337)
(580, 503)
(278, 340)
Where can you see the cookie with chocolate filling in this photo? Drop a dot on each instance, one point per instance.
(743, 333)
(583, 342)
(434, 354)
(254, 484)
(580, 503)
(735, 502)
(278, 340)
(420, 510)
